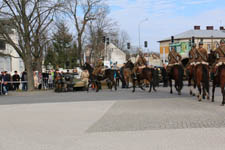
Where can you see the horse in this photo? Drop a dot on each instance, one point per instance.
(127, 76)
(202, 80)
(96, 80)
(190, 71)
(219, 80)
(145, 73)
(176, 74)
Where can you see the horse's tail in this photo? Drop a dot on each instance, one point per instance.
(205, 76)
(180, 75)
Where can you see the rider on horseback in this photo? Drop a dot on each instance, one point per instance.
(201, 56)
(220, 57)
(192, 54)
(141, 63)
(98, 68)
(174, 59)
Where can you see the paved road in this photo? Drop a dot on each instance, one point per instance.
(111, 120)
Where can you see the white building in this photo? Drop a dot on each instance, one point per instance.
(115, 55)
(9, 59)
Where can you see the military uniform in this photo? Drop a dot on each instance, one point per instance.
(192, 55)
(201, 56)
(141, 62)
(98, 68)
(220, 56)
(174, 59)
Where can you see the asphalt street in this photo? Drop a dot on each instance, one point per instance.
(111, 120)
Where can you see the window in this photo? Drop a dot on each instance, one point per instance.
(2, 45)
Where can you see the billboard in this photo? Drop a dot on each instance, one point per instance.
(182, 48)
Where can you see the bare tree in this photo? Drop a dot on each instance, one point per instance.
(82, 12)
(30, 19)
(97, 29)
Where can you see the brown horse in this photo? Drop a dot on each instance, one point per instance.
(191, 79)
(219, 80)
(202, 80)
(176, 73)
(145, 73)
(96, 80)
(127, 76)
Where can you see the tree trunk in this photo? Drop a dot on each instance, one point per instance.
(80, 50)
(29, 68)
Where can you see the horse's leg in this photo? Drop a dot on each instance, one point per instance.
(171, 88)
(133, 85)
(114, 84)
(200, 91)
(191, 86)
(223, 93)
(213, 90)
(97, 86)
(150, 87)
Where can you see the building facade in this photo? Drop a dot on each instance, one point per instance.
(9, 59)
(182, 42)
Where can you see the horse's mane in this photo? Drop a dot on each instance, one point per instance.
(129, 64)
(88, 67)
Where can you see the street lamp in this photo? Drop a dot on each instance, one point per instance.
(139, 30)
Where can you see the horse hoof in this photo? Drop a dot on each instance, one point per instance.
(193, 94)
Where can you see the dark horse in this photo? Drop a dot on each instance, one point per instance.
(202, 80)
(96, 80)
(176, 73)
(219, 80)
(145, 73)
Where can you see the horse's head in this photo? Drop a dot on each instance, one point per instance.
(212, 57)
(88, 67)
(129, 64)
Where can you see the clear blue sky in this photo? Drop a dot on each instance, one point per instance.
(165, 17)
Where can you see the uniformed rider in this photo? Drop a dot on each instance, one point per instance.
(174, 59)
(192, 54)
(141, 63)
(201, 55)
(220, 56)
(98, 67)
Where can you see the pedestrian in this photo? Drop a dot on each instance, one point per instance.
(8, 79)
(3, 84)
(16, 81)
(24, 80)
(50, 80)
(35, 80)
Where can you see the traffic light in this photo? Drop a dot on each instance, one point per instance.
(172, 39)
(103, 39)
(193, 39)
(146, 44)
(107, 41)
(128, 45)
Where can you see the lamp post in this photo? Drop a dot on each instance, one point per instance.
(139, 30)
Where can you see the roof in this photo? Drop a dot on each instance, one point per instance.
(198, 34)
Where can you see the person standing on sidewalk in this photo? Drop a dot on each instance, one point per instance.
(24, 81)
(16, 80)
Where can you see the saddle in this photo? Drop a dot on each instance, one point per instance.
(220, 64)
(203, 63)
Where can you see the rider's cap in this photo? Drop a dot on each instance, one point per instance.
(200, 43)
(193, 45)
(222, 41)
